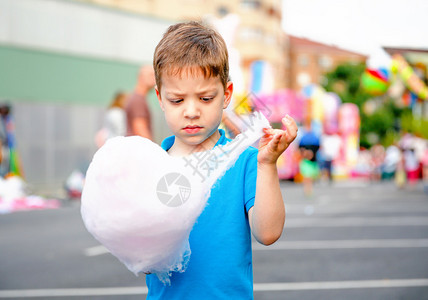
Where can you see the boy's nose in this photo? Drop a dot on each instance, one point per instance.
(191, 110)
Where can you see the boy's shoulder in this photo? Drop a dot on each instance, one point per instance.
(250, 153)
(251, 150)
(247, 160)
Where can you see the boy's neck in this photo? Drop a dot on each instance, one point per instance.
(179, 148)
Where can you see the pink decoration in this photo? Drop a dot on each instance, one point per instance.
(331, 104)
(349, 119)
(275, 106)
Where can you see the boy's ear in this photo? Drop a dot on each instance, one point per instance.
(159, 98)
(228, 94)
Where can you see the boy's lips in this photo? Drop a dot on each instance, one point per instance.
(192, 129)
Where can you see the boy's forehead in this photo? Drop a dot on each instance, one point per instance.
(187, 73)
(183, 72)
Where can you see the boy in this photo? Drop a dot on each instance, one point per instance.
(191, 70)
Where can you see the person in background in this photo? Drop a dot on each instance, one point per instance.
(411, 166)
(115, 117)
(400, 171)
(309, 169)
(377, 153)
(138, 118)
(329, 151)
(114, 123)
(309, 145)
(391, 161)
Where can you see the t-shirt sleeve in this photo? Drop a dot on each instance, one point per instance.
(250, 180)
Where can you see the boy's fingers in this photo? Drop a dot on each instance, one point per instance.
(273, 131)
(269, 131)
(291, 134)
(282, 137)
(291, 128)
(286, 140)
(289, 122)
(276, 140)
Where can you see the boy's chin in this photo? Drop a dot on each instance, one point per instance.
(198, 143)
(194, 141)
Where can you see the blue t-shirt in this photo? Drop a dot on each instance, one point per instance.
(220, 265)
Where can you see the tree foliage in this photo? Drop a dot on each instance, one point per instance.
(382, 124)
(345, 82)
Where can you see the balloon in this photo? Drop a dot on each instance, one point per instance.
(375, 82)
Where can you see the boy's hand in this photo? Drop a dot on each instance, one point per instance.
(275, 141)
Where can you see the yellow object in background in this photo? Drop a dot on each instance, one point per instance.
(410, 79)
(243, 105)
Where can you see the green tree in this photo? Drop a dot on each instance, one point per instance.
(382, 122)
(345, 82)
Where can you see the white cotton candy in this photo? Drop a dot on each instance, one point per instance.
(141, 203)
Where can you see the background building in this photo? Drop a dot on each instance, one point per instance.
(309, 60)
(259, 35)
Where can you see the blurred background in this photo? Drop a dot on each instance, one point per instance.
(353, 76)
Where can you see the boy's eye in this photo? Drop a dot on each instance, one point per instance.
(206, 99)
(176, 101)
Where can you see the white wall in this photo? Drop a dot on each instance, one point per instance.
(53, 139)
(78, 28)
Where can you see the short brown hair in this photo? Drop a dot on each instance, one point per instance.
(188, 45)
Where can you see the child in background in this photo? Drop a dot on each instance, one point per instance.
(309, 169)
(400, 172)
(114, 123)
(411, 165)
(115, 117)
(193, 89)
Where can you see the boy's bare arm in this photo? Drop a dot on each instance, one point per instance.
(267, 216)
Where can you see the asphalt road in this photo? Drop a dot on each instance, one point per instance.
(349, 241)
